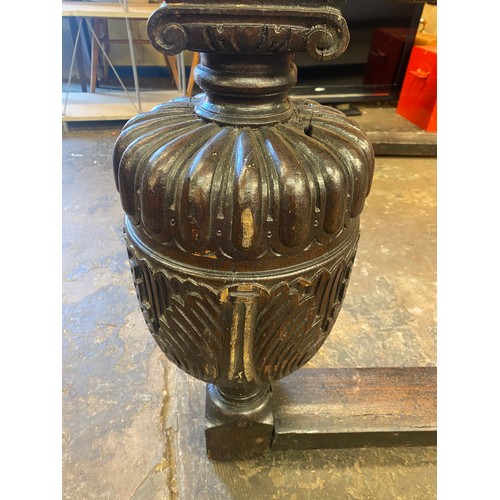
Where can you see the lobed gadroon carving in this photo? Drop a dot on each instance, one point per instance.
(229, 333)
(242, 192)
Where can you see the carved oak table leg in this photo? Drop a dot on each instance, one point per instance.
(242, 206)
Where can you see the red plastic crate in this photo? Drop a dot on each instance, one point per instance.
(418, 97)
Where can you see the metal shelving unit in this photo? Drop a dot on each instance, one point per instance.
(113, 105)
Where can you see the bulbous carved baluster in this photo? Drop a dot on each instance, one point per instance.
(242, 205)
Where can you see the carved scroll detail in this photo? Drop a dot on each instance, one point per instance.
(234, 28)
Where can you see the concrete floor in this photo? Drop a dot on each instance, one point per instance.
(133, 423)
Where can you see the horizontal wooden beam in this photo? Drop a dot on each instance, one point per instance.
(355, 407)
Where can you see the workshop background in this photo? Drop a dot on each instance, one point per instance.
(132, 423)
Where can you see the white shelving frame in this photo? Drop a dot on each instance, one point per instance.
(113, 105)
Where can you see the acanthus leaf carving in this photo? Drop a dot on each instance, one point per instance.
(256, 332)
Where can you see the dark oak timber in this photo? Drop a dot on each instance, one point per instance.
(355, 407)
(243, 210)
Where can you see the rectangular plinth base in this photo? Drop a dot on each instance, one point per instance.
(355, 407)
(338, 408)
(237, 436)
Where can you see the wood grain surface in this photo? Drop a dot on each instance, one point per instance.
(352, 407)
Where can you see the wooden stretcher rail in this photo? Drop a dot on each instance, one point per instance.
(355, 407)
